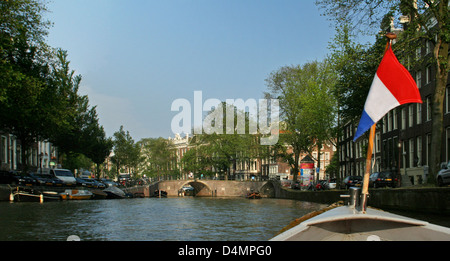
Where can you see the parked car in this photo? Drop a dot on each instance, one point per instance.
(295, 185)
(352, 181)
(45, 179)
(6, 177)
(96, 183)
(443, 176)
(84, 183)
(332, 183)
(65, 175)
(124, 179)
(383, 179)
(16, 178)
(109, 183)
(86, 175)
(372, 179)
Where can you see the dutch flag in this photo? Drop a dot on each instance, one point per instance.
(391, 87)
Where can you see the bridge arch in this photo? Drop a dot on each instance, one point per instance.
(269, 189)
(201, 189)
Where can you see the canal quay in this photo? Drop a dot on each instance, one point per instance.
(215, 211)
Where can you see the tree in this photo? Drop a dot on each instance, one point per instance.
(425, 20)
(307, 106)
(69, 109)
(320, 107)
(160, 157)
(98, 146)
(190, 162)
(75, 127)
(126, 151)
(39, 97)
(224, 147)
(24, 71)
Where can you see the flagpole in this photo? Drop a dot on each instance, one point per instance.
(365, 190)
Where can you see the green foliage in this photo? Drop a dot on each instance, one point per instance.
(307, 106)
(39, 97)
(126, 152)
(159, 159)
(423, 20)
(23, 70)
(355, 65)
(224, 149)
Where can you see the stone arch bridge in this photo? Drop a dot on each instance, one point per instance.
(216, 188)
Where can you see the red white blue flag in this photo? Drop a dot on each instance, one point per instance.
(391, 87)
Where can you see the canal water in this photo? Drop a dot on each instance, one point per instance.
(166, 219)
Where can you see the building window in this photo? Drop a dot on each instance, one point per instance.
(351, 149)
(404, 149)
(428, 75)
(428, 108)
(428, 149)
(428, 47)
(403, 118)
(357, 148)
(411, 153)
(419, 79)
(411, 115)
(419, 151)
(377, 139)
(389, 125)
(419, 113)
(395, 120)
(4, 150)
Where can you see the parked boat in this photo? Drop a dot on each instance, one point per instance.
(34, 196)
(114, 192)
(98, 194)
(253, 195)
(351, 223)
(76, 194)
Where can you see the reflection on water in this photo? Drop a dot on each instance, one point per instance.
(198, 219)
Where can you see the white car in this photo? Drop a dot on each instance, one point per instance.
(332, 184)
(443, 176)
(65, 175)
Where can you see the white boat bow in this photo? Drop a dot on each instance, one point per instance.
(348, 224)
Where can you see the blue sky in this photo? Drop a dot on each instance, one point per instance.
(138, 56)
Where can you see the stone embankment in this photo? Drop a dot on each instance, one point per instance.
(428, 199)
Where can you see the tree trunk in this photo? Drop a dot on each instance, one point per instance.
(296, 163)
(437, 116)
(25, 146)
(319, 148)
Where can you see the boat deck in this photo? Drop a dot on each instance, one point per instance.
(347, 224)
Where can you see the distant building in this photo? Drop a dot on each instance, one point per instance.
(326, 154)
(41, 154)
(248, 168)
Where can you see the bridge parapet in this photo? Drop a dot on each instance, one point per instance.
(216, 188)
